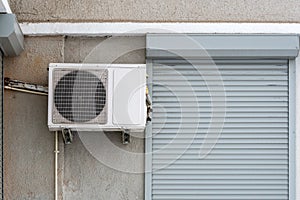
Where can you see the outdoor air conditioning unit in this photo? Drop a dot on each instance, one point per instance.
(93, 97)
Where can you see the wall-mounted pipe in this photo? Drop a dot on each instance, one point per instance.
(56, 152)
(25, 87)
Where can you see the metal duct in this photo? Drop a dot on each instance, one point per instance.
(11, 36)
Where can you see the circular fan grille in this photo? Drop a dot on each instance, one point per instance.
(79, 96)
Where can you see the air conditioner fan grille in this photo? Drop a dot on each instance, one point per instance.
(80, 96)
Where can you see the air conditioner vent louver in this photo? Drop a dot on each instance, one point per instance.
(80, 96)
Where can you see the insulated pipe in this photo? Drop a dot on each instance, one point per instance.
(26, 91)
(56, 152)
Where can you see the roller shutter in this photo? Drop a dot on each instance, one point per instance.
(222, 128)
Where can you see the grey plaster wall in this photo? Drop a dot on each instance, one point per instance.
(157, 10)
(28, 150)
(28, 145)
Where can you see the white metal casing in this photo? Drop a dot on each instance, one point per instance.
(126, 97)
(4, 7)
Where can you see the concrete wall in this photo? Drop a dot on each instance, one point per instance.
(157, 10)
(29, 145)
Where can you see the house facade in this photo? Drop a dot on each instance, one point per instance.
(252, 46)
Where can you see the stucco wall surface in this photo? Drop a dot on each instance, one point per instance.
(29, 146)
(157, 10)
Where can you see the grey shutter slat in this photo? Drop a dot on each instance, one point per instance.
(251, 157)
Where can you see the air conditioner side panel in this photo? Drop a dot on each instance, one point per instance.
(129, 107)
